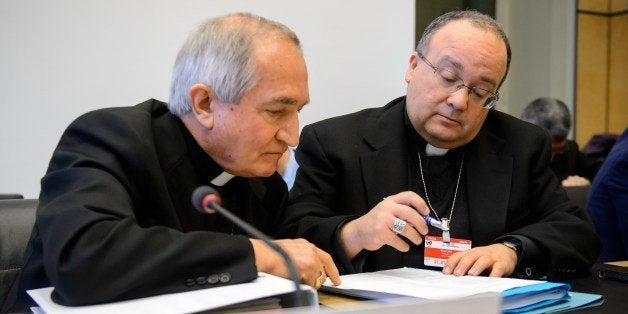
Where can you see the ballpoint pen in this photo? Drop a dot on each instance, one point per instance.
(435, 223)
(440, 225)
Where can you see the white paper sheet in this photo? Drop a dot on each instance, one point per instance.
(193, 301)
(428, 284)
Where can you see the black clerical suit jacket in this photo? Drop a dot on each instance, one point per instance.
(348, 164)
(115, 220)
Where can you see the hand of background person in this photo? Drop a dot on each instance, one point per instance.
(575, 181)
(374, 229)
(313, 264)
(498, 258)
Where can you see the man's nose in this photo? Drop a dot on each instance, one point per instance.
(289, 133)
(459, 99)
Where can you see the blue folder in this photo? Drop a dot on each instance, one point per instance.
(526, 298)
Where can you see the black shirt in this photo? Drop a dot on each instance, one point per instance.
(441, 176)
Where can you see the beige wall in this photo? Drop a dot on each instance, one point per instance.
(601, 68)
(542, 38)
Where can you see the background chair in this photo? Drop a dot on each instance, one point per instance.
(17, 217)
(10, 196)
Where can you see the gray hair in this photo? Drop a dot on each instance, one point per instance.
(219, 54)
(551, 114)
(477, 19)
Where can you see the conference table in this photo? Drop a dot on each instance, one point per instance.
(615, 294)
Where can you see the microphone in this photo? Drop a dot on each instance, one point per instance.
(207, 201)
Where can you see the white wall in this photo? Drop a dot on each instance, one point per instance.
(542, 38)
(61, 58)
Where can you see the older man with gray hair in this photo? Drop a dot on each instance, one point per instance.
(115, 220)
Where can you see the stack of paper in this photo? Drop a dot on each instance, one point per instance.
(518, 295)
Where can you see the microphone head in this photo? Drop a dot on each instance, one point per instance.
(200, 197)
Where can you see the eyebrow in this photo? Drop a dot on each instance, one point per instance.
(458, 66)
(289, 101)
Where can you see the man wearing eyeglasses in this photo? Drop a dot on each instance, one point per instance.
(369, 182)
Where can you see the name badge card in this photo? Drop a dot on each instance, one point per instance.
(437, 251)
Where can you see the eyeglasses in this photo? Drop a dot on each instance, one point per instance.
(451, 82)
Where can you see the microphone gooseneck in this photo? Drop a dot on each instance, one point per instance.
(207, 201)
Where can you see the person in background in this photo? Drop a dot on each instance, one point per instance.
(608, 202)
(115, 220)
(569, 164)
(288, 167)
(367, 180)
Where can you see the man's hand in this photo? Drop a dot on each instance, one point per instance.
(374, 230)
(576, 181)
(313, 264)
(498, 258)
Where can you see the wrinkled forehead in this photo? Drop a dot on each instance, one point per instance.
(461, 44)
(466, 32)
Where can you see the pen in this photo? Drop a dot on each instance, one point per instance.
(435, 223)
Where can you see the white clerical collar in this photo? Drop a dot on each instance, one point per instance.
(222, 179)
(435, 151)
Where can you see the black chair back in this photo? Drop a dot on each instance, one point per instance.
(17, 217)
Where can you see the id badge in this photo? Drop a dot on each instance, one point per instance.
(437, 251)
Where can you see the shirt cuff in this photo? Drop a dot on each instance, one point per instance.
(532, 261)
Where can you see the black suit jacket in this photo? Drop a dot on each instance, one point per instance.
(115, 220)
(349, 164)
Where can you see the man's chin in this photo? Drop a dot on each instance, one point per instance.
(266, 172)
(443, 141)
(256, 173)
(443, 136)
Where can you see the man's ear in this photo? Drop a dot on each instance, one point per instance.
(412, 64)
(201, 97)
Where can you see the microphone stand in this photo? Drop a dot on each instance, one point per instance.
(298, 299)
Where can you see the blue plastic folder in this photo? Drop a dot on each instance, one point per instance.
(527, 298)
(578, 301)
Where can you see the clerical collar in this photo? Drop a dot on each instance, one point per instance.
(419, 141)
(435, 151)
(222, 179)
